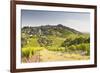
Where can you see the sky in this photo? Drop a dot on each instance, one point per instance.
(79, 21)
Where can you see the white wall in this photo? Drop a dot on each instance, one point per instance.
(5, 36)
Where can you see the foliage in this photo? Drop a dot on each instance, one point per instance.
(61, 49)
(29, 51)
(44, 41)
(84, 47)
(78, 40)
(72, 48)
(54, 39)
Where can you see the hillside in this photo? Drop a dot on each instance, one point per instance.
(57, 30)
(53, 43)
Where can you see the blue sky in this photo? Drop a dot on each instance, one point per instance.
(75, 20)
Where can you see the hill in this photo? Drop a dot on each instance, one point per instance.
(57, 30)
(53, 43)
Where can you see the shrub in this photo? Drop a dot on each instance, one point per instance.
(62, 49)
(25, 52)
(84, 47)
(72, 48)
(52, 48)
(29, 51)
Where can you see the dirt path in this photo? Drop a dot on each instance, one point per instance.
(46, 56)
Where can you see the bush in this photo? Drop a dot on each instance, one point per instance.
(25, 52)
(66, 42)
(29, 51)
(72, 48)
(84, 47)
(52, 48)
(61, 49)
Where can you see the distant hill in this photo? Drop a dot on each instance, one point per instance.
(57, 30)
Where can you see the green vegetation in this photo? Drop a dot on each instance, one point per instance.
(29, 51)
(60, 43)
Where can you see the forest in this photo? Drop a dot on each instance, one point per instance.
(53, 43)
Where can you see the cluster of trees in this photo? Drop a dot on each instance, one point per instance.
(83, 49)
(79, 45)
(79, 40)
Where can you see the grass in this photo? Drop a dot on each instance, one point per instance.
(33, 52)
(48, 56)
(56, 40)
(32, 42)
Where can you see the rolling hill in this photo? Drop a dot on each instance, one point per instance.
(57, 30)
